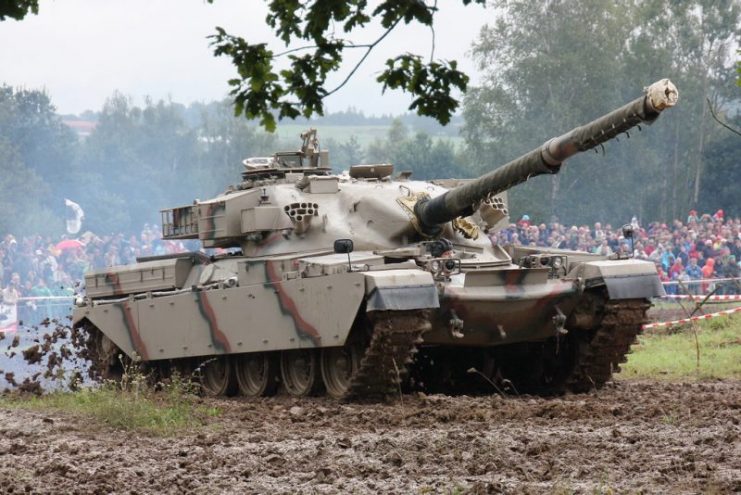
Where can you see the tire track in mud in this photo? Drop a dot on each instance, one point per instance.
(629, 437)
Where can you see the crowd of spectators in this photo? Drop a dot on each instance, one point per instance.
(702, 247)
(38, 270)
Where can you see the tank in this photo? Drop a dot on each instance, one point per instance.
(363, 284)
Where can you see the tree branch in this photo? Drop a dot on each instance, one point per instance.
(432, 28)
(717, 119)
(360, 62)
(346, 44)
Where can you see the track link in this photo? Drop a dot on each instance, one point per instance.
(597, 358)
(393, 344)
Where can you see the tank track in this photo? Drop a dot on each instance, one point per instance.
(393, 344)
(602, 355)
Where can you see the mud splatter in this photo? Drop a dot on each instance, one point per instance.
(33, 354)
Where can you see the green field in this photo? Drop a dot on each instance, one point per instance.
(672, 355)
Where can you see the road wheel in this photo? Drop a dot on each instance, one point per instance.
(217, 377)
(299, 372)
(257, 374)
(338, 365)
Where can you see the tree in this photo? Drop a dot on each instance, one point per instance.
(143, 158)
(344, 154)
(720, 187)
(37, 150)
(261, 90)
(225, 141)
(692, 41)
(425, 157)
(18, 9)
(22, 194)
(543, 77)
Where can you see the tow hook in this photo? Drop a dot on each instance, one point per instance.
(456, 326)
(559, 320)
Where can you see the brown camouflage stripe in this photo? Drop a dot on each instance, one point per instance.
(288, 305)
(128, 318)
(113, 280)
(516, 290)
(211, 211)
(218, 338)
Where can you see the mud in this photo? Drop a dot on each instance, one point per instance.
(629, 438)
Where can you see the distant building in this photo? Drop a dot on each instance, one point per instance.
(83, 128)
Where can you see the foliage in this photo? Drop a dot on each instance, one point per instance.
(18, 9)
(225, 141)
(723, 168)
(36, 150)
(543, 76)
(142, 159)
(673, 356)
(344, 154)
(420, 154)
(261, 90)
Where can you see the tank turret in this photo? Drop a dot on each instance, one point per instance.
(546, 159)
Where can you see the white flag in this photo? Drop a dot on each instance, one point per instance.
(8, 318)
(74, 224)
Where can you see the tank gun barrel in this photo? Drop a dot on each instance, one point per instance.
(546, 159)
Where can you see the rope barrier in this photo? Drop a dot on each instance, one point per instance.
(709, 298)
(694, 318)
(701, 281)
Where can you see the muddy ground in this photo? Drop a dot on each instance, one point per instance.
(630, 437)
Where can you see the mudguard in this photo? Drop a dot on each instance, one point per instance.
(624, 279)
(400, 290)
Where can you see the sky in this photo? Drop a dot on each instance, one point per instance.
(81, 51)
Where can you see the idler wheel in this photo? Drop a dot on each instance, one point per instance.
(108, 360)
(299, 372)
(257, 374)
(217, 377)
(338, 365)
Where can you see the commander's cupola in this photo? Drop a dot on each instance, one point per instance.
(309, 160)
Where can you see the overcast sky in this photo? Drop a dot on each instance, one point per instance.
(81, 51)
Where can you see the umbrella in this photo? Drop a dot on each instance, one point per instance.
(69, 244)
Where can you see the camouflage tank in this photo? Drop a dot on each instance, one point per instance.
(359, 284)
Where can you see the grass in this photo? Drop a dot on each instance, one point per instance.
(130, 405)
(672, 355)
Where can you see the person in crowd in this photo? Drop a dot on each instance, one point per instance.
(694, 272)
(12, 292)
(708, 272)
(603, 249)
